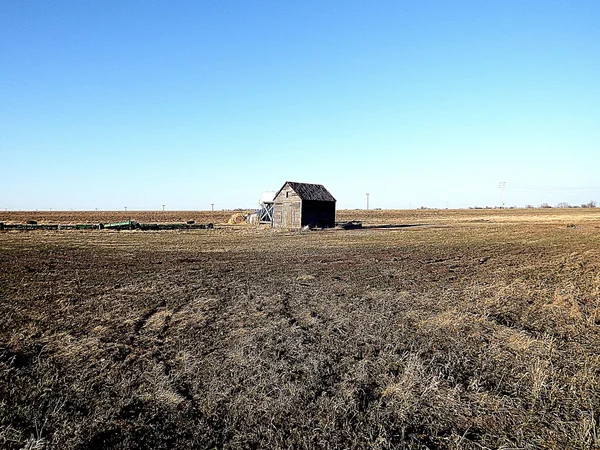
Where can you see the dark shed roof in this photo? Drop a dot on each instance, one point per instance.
(306, 191)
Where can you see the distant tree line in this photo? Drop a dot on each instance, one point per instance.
(590, 204)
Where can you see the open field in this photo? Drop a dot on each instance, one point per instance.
(471, 329)
(73, 217)
(576, 215)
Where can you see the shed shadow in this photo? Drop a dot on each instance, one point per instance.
(392, 226)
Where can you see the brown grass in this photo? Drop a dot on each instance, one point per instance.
(478, 329)
(75, 217)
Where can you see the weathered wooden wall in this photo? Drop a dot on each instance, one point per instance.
(287, 211)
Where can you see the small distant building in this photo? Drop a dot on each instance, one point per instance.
(300, 204)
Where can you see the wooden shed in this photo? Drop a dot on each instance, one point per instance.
(299, 204)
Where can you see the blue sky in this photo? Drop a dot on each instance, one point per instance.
(423, 103)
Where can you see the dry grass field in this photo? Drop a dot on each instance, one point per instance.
(452, 330)
(74, 217)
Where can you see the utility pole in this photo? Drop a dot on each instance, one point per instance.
(502, 186)
(367, 201)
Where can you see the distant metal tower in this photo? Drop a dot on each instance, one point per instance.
(502, 186)
(267, 207)
(367, 201)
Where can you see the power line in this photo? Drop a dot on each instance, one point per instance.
(526, 187)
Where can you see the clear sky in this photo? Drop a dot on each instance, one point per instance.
(107, 104)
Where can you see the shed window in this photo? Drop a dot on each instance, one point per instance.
(287, 194)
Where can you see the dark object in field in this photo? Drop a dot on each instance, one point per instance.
(125, 225)
(174, 226)
(353, 224)
(118, 226)
(32, 222)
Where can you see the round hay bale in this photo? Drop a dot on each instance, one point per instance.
(236, 219)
